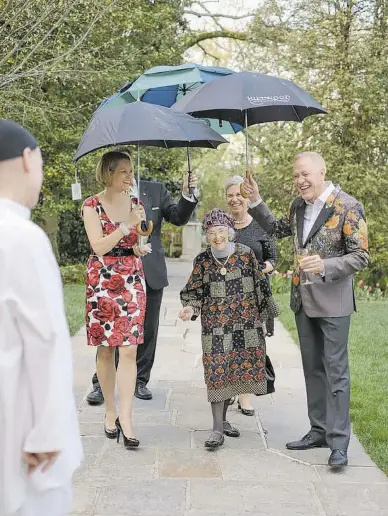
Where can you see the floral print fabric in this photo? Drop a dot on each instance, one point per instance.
(115, 292)
(340, 229)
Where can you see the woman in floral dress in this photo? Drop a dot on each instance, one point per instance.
(115, 294)
(233, 297)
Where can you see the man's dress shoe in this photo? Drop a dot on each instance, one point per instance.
(338, 459)
(142, 392)
(95, 397)
(307, 442)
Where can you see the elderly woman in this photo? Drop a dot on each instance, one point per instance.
(233, 297)
(115, 295)
(251, 234)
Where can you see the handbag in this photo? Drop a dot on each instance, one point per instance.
(270, 375)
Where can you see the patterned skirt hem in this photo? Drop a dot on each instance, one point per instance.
(225, 393)
(124, 345)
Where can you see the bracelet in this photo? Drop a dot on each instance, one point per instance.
(124, 228)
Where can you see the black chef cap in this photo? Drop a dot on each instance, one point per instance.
(14, 139)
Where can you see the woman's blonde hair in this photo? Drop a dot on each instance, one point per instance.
(108, 164)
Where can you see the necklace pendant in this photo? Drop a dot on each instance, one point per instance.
(223, 271)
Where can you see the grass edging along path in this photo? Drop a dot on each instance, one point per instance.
(74, 306)
(368, 354)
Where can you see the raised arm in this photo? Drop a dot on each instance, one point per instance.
(177, 213)
(103, 244)
(279, 228)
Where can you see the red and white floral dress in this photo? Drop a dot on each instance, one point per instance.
(115, 290)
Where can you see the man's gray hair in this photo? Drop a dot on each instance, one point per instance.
(234, 180)
(315, 157)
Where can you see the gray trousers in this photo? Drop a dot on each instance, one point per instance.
(324, 349)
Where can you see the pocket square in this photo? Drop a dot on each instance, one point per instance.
(155, 208)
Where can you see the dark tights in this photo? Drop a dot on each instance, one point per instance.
(219, 410)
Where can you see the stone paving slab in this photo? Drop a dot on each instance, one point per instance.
(145, 498)
(172, 474)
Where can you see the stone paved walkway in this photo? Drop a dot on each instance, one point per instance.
(172, 474)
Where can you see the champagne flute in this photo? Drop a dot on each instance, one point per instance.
(303, 253)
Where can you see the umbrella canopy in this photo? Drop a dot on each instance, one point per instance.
(145, 124)
(165, 85)
(249, 98)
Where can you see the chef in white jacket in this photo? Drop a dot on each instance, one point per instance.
(40, 446)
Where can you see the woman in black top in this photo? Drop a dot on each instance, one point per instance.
(251, 234)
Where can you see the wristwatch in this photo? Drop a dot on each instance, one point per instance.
(124, 228)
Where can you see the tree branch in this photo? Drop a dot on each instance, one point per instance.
(217, 15)
(207, 53)
(194, 39)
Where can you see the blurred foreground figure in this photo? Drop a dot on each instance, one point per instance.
(40, 446)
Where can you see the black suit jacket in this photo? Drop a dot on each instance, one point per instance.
(159, 205)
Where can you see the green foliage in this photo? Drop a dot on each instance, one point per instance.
(75, 306)
(338, 52)
(73, 274)
(58, 60)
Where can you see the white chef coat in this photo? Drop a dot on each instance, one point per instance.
(37, 405)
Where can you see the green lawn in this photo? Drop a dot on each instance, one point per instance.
(75, 306)
(368, 350)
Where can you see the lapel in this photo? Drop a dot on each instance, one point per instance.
(299, 213)
(325, 213)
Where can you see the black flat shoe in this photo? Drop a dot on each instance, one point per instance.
(215, 440)
(307, 442)
(338, 459)
(231, 431)
(142, 392)
(95, 397)
(128, 442)
(246, 412)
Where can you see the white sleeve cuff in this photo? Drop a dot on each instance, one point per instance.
(254, 204)
(192, 197)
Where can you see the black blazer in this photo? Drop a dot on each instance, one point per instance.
(159, 205)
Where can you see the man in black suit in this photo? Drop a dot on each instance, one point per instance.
(159, 206)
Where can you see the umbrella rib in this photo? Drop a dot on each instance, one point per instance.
(297, 116)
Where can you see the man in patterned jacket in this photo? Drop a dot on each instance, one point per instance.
(330, 238)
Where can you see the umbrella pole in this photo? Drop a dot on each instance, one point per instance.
(191, 189)
(246, 144)
(247, 169)
(149, 225)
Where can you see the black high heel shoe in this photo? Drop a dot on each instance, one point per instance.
(246, 412)
(128, 442)
(110, 434)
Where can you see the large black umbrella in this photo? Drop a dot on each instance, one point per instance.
(145, 124)
(249, 98)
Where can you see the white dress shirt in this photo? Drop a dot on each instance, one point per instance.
(313, 209)
(37, 406)
(191, 198)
